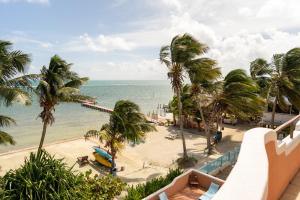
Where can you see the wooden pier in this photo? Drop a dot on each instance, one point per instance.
(93, 105)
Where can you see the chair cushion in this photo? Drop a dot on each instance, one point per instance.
(163, 196)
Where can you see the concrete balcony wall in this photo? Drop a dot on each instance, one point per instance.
(180, 182)
(264, 167)
(284, 162)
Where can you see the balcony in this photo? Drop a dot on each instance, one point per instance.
(180, 188)
(266, 169)
(265, 166)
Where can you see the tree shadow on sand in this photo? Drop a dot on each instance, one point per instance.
(190, 134)
(227, 144)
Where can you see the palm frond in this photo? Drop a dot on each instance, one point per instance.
(8, 95)
(6, 121)
(5, 138)
(164, 55)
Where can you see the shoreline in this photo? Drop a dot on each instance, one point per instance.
(35, 147)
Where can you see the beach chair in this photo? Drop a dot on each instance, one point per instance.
(172, 136)
(212, 190)
(82, 160)
(193, 181)
(163, 196)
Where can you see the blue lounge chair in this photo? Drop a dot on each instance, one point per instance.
(163, 196)
(212, 190)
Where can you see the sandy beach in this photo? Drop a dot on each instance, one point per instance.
(141, 162)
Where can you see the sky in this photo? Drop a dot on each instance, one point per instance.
(121, 39)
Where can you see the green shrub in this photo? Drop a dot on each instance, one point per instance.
(42, 177)
(100, 188)
(141, 191)
(1, 188)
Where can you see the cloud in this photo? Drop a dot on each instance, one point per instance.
(20, 37)
(101, 43)
(173, 3)
(239, 50)
(163, 32)
(26, 1)
(145, 69)
(245, 11)
(236, 31)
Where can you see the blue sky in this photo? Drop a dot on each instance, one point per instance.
(120, 39)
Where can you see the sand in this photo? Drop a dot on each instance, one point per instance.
(141, 162)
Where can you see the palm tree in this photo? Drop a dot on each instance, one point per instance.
(188, 107)
(280, 77)
(126, 123)
(182, 50)
(202, 73)
(58, 84)
(13, 88)
(238, 96)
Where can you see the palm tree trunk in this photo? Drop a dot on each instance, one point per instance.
(113, 156)
(273, 112)
(206, 128)
(181, 123)
(174, 119)
(45, 124)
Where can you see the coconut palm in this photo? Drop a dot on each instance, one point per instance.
(281, 78)
(202, 73)
(188, 104)
(13, 88)
(58, 84)
(126, 123)
(182, 50)
(238, 96)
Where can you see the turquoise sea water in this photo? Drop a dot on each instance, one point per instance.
(72, 120)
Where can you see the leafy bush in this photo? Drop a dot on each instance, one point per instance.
(1, 188)
(41, 177)
(141, 191)
(45, 178)
(101, 188)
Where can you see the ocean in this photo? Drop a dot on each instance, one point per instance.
(72, 120)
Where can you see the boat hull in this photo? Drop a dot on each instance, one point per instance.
(103, 161)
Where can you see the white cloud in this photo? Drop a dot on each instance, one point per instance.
(236, 31)
(145, 69)
(27, 1)
(20, 37)
(173, 3)
(234, 47)
(273, 6)
(239, 50)
(245, 11)
(162, 35)
(101, 43)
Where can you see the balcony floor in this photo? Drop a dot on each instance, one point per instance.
(188, 193)
(292, 192)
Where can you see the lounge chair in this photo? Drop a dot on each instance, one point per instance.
(172, 136)
(193, 181)
(212, 190)
(82, 160)
(163, 196)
